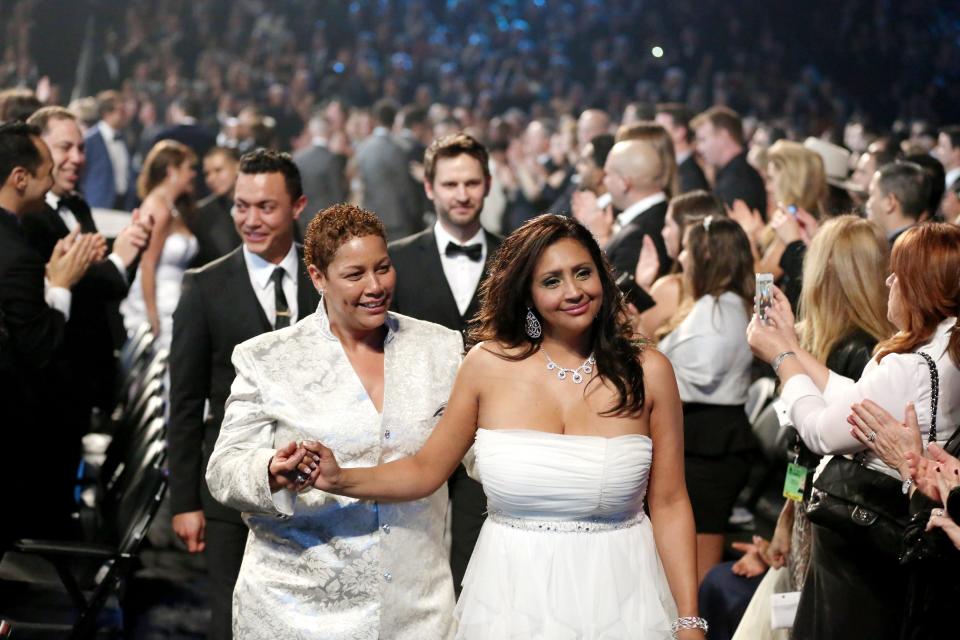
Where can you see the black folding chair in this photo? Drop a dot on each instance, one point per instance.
(126, 516)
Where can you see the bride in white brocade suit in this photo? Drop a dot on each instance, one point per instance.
(573, 421)
(373, 384)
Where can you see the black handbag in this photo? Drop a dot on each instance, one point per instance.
(864, 505)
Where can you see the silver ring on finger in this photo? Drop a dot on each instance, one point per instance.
(301, 477)
(937, 512)
(872, 436)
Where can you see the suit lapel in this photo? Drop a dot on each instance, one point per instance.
(81, 211)
(307, 296)
(57, 225)
(493, 243)
(434, 277)
(242, 293)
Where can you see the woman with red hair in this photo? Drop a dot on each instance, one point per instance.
(918, 365)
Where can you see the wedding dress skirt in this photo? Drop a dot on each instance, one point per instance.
(566, 552)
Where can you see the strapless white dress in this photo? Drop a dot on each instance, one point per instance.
(566, 552)
(178, 250)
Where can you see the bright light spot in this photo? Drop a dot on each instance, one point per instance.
(657, 52)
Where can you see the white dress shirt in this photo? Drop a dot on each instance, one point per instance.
(709, 351)
(260, 272)
(952, 176)
(821, 417)
(119, 157)
(462, 273)
(633, 211)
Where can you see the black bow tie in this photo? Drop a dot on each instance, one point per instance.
(472, 251)
(71, 202)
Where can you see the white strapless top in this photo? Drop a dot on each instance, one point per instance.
(549, 476)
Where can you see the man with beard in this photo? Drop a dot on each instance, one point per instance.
(439, 272)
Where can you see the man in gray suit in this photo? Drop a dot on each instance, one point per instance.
(388, 188)
(322, 171)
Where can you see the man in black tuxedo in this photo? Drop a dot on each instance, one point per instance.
(32, 379)
(633, 178)
(256, 288)
(90, 342)
(439, 272)
(720, 143)
(213, 225)
(675, 118)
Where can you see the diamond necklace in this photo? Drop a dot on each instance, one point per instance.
(577, 377)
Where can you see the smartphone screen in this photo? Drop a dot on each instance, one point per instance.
(764, 295)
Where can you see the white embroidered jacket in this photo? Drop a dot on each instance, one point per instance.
(319, 565)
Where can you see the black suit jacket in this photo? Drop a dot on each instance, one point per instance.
(214, 228)
(737, 180)
(422, 290)
(691, 175)
(218, 310)
(31, 385)
(89, 341)
(623, 250)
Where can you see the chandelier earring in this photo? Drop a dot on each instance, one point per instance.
(532, 325)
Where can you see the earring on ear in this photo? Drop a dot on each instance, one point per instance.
(532, 326)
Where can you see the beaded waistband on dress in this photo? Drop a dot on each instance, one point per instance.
(580, 525)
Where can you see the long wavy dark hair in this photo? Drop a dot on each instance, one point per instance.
(505, 296)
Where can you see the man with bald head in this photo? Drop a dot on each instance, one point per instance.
(633, 179)
(590, 124)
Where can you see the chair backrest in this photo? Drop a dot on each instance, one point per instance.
(154, 369)
(129, 440)
(139, 343)
(127, 514)
(759, 395)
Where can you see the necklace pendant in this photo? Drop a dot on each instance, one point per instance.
(577, 378)
(551, 366)
(562, 374)
(587, 369)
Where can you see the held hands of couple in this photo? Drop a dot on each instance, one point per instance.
(304, 466)
(777, 333)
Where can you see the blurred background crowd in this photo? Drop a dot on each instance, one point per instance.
(699, 141)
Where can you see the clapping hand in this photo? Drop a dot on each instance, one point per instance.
(133, 238)
(648, 264)
(880, 432)
(71, 258)
(800, 225)
(749, 219)
(934, 476)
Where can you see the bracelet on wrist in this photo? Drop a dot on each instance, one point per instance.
(779, 360)
(688, 622)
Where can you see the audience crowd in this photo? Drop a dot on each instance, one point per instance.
(695, 164)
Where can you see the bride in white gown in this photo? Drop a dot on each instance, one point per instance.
(165, 183)
(566, 409)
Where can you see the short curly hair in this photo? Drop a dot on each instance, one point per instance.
(333, 227)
